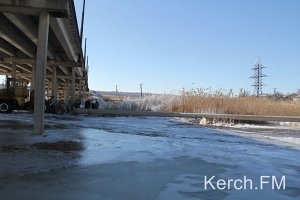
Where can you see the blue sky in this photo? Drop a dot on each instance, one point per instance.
(171, 44)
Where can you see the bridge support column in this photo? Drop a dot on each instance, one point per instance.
(54, 83)
(73, 86)
(32, 81)
(48, 90)
(13, 70)
(83, 89)
(40, 73)
(67, 93)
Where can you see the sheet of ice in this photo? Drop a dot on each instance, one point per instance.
(280, 133)
(150, 140)
(286, 135)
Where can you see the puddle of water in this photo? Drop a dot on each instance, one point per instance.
(60, 146)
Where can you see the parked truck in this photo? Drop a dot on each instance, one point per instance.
(15, 96)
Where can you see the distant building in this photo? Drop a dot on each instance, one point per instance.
(296, 98)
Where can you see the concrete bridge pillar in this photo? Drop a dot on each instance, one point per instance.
(67, 93)
(54, 82)
(73, 77)
(83, 89)
(40, 72)
(48, 90)
(81, 86)
(32, 81)
(13, 70)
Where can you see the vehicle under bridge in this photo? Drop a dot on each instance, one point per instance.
(40, 43)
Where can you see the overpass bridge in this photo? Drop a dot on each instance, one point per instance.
(40, 42)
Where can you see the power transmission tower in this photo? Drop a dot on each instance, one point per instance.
(258, 76)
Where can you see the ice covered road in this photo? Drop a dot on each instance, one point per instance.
(142, 158)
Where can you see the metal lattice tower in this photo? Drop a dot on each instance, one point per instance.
(258, 76)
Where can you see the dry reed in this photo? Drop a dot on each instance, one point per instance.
(217, 102)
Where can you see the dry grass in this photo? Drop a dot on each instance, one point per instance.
(229, 104)
(113, 98)
(207, 101)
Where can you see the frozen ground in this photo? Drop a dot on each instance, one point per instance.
(141, 158)
(279, 133)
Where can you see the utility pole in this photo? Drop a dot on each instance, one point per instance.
(258, 76)
(141, 87)
(84, 55)
(183, 103)
(82, 21)
(87, 69)
(117, 92)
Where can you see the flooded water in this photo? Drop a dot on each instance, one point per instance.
(83, 157)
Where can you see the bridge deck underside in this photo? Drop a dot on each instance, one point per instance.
(18, 44)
